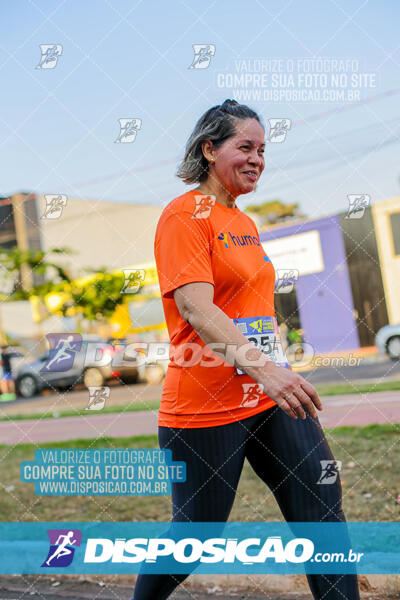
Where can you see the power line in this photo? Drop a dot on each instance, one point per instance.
(297, 123)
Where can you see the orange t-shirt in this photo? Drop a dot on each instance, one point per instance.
(220, 246)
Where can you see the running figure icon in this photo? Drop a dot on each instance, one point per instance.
(62, 346)
(62, 549)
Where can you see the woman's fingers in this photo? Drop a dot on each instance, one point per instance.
(284, 405)
(306, 401)
(291, 392)
(312, 393)
(295, 404)
(298, 400)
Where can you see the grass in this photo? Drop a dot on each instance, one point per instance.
(370, 465)
(56, 414)
(357, 388)
(323, 390)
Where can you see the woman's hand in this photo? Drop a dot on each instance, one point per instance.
(289, 390)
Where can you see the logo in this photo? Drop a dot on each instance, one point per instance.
(63, 348)
(61, 551)
(262, 325)
(239, 240)
(50, 55)
(224, 238)
(278, 129)
(329, 471)
(204, 205)
(128, 130)
(54, 206)
(191, 550)
(251, 394)
(202, 55)
(357, 205)
(97, 397)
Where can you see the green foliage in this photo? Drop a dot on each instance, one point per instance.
(12, 261)
(274, 211)
(96, 298)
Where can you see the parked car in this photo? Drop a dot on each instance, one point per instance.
(151, 371)
(87, 368)
(125, 364)
(388, 341)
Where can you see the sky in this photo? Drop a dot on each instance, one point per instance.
(131, 60)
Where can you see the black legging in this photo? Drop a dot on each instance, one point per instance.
(284, 452)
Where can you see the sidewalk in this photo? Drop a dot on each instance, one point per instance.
(349, 409)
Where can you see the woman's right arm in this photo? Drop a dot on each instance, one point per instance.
(195, 302)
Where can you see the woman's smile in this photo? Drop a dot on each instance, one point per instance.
(251, 174)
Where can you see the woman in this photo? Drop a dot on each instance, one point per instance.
(217, 287)
(7, 386)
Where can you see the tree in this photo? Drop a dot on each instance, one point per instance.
(21, 266)
(93, 298)
(13, 260)
(274, 211)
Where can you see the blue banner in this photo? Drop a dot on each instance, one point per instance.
(278, 548)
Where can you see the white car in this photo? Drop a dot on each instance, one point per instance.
(388, 341)
(152, 372)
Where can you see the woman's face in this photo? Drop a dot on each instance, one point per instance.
(239, 162)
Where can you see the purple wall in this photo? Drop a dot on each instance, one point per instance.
(325, 300)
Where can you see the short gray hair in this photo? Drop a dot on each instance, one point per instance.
(217, 124)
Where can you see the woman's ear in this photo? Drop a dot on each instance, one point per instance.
(208, 150)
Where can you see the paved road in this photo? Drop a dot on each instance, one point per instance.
(368, 369)
(16, 587)
(372, 371)
(39, 588)
(360, 409)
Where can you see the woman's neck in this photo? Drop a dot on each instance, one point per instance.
(221, 194)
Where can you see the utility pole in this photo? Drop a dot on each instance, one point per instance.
(21, 234)
(22, 237)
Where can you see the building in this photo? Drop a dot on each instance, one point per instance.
(349, 268)
(386, 216)
(110, 234)
(349, 275)
(100, 234)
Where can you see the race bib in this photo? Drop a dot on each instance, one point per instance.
(263, 332)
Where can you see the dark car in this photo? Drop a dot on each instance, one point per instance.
(95, 363)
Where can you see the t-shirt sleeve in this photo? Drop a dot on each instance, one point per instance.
(254, 227)
(182, 251)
